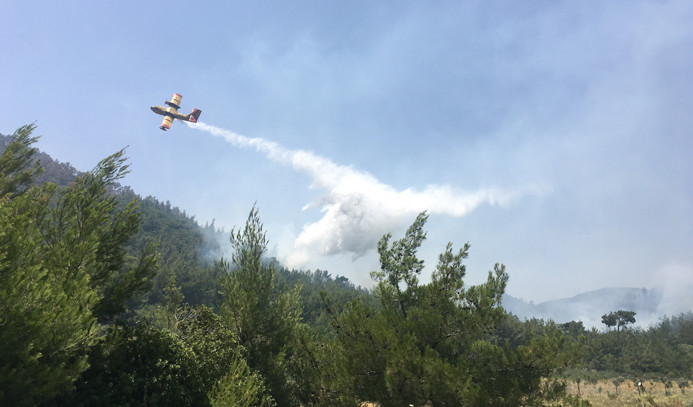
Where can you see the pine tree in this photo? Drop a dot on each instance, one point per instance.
(62, 269)
(436, 343)
(86, 229)
(240, 387)
(264, 321)
(45, 312)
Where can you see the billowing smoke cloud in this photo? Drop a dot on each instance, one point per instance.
(357, 208)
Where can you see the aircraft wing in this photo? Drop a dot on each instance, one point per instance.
(166, 123)
(175, 101)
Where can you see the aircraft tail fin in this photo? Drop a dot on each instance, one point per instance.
(192, 117)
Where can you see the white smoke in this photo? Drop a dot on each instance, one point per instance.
(674, 281)
(357, 208)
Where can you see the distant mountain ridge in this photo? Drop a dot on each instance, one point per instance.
(589, 307)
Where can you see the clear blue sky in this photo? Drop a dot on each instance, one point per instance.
(556, 137)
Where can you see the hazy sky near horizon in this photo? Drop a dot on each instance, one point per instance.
(554, 136)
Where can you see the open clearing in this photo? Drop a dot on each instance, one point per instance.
(605, 394)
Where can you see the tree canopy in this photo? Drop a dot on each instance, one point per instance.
(618, 319)
(63, 270)
(110, 299)
(437, 343)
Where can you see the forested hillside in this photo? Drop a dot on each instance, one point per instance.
(187, 250)
(107, 298)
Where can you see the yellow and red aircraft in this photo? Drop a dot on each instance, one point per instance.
(171, 112)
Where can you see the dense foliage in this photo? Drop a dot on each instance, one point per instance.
(63, 270)
(439, 342)
(664, 350)
(110, 299)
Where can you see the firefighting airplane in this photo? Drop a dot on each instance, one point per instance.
(171, 112)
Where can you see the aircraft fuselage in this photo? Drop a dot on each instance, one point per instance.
(168, 111)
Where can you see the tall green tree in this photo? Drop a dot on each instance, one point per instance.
(87, 229)
(435, 343)
(263, 320)
(18, 169)
(62, 270)
(618, 319)
(45, 318)
(240, 387)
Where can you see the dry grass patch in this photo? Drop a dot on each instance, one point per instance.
(605, 393)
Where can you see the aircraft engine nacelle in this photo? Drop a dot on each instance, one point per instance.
(175, 101)
(166, 123)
